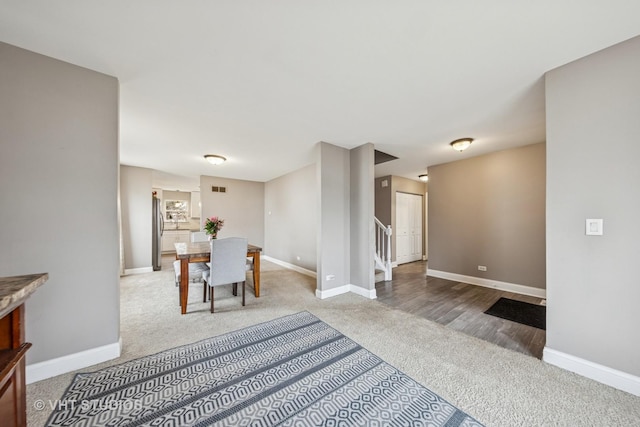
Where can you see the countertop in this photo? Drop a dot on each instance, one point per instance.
(15, 290)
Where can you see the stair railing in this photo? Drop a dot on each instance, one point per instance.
(383, 248)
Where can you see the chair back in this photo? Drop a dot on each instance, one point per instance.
(228, 260)
(199, 236)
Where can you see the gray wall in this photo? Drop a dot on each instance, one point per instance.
(136, 212)
(241, 207)
(490, 210)
(362, 206)
(345, 179)
(291, 218)
(333, 180)
(59, 166)
(383, 199)
(593, 130)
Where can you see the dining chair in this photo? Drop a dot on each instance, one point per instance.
(248, 267)
(195, 268)
(228, 265)
(195, 271)
(199, 236)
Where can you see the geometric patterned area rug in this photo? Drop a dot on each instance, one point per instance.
(292, 371)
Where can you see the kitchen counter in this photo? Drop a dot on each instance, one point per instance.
(171, 236)
(15, 290)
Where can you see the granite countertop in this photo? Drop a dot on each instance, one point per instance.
(15, 290)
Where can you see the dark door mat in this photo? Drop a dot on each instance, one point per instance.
(521, 312)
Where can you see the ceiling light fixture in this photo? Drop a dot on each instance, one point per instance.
(461, 144)
(214, 159)
(424, 177)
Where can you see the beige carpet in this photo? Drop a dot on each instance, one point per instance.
(498, 387)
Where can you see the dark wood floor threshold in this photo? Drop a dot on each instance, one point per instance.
(459, 306)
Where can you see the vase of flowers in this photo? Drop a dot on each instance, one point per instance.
(212, 225)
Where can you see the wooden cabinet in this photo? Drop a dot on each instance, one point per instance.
(14, 291)
(170, 237)
(195, 204)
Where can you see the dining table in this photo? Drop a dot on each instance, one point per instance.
(201, 252)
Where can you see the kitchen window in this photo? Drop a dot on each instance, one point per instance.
(176, 210)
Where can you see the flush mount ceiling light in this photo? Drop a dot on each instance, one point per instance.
(461, 144)
(214, 159)
(424, 177)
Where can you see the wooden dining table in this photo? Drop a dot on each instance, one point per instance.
(201, 252)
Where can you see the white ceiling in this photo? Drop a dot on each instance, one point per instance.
(262, 82)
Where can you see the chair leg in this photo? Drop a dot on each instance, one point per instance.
(204, 290)
(235, 289)
(243, 282)
(211, 298)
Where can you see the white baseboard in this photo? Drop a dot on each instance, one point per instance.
(128, 271)
(367, 293)
(71, 362)
(290, 266)
(603, 374)
(488, 283)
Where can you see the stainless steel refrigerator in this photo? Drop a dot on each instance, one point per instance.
(158, 229)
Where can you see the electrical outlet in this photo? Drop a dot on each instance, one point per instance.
(482, 267)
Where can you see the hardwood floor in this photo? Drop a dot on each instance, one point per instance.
(459, 306)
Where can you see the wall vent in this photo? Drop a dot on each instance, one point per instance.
(217, 189)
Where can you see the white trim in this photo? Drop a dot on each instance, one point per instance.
(140, 270)
(290, 266)
(488, 283)
(367, 293)
(71, 362)
(609, 376)
(332, 292)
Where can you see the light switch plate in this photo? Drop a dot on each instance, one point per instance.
(593, 227)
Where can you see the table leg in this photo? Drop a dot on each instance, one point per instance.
(184, 284)
(256, 273)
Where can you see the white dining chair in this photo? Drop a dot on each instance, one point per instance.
(248, 267)
(199, 236)
(195, 268)
(195, 271)
(228, 266)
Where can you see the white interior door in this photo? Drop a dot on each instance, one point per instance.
(426, 226)
(408, 227)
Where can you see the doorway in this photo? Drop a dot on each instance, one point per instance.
(408, 227)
